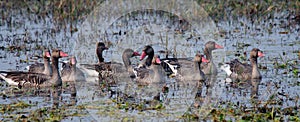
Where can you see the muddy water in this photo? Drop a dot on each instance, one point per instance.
(276, 37)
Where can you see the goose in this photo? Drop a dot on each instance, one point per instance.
(191, 70)
(241, 71)
(45, 67)
(70, 72)
(170, 65)
(127, 54)
(150, 74)
(90, 69)
(37, 79)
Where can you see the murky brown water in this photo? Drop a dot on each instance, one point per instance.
(277, 38)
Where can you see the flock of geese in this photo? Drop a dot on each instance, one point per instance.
(151, 69)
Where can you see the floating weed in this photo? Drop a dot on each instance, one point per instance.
(262, 67)
(14, 106)
(281, 66)
(80, 107)
(190, 116)
(159, 106)
(141, 106)
(94, 107)
(261, 111)
(127, 119)
(75, 113)
(295, 72)
(294, 118)
(21, 104)
(283, 32)
(50, 114)
(6, 108)
(243, 57)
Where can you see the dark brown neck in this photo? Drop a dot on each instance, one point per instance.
(99, 52)
(55, 73)
(100, 58)
(255, 72)
(253, 61)
(208, 53)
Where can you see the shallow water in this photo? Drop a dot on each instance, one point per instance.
(276, 37)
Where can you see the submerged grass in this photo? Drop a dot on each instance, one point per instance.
(8, 108)
(234, 9)
(240, 113)
(65, 11)
(41, 114)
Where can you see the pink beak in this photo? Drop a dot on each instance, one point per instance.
(260, 54)
(136, 54)
(204, 60)
(157, 60)
(143, 55)
(73, 60)
(63, 54)
(218, 46)
(48, 54)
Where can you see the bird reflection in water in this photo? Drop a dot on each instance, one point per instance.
(65, 95)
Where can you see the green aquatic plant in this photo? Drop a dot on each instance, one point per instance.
(190, 116)
(21, 104)
(51, 114)
(295, 72)
(14, 106)
(282, 66)
(294, 118)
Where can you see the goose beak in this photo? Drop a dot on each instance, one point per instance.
(73, 61)
(218, 46)
(136, 54)
(157, 60)
(204, 60)
(260, 54)
(143, 55)
(63, 54)
(48, 54)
